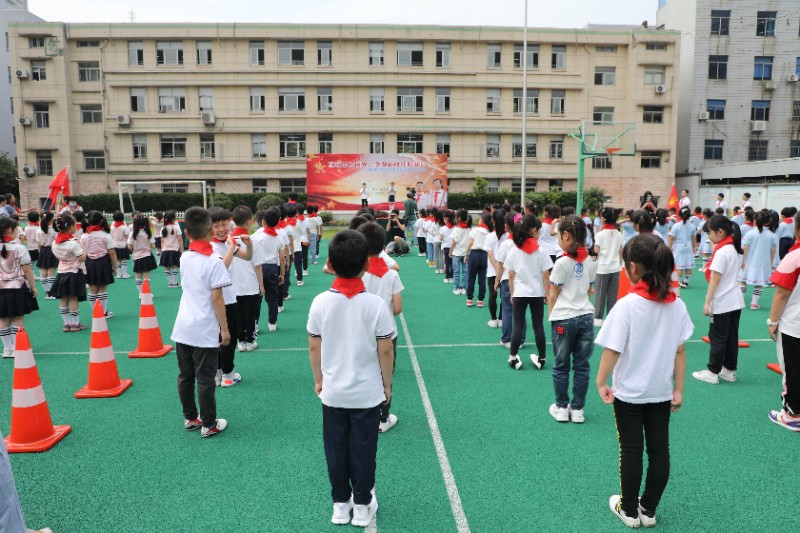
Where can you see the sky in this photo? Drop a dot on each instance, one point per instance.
(541, 13)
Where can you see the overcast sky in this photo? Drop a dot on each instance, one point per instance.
(547, 13)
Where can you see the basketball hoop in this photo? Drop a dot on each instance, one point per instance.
(612, 151)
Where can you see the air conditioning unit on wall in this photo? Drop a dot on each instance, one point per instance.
(124, 120)
(29, 171)
(209, 119)
(703, 115)
(25, 121)
(759, 125)
(792, 78)
(21, 73)
(661, 89)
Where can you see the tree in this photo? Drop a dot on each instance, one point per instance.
(8, 175)
(480, 187)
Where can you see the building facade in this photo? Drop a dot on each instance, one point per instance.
(240, 105)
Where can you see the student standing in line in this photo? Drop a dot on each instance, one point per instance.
(503, 287)
(140, 244)
(70, 283)
(268, 247)
(445, 237)
(460, 238)
(493, 241)
(759, 247)
(419, 232)
(30, 233)
(47, 261)
(249, 280)
(547, 239)
(171, 249)
(682, 242)
(17, 287)
(608, 248)
(120, 232)
(101, 260)
(476, 259)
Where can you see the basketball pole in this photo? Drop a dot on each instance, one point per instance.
(523, 187)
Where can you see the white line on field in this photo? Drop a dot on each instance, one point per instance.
(441, 453)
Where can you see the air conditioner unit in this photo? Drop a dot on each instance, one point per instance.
(25, 121)
(29, 171)
(661, 89)
(22, 74)
(124, 120)
(703, 115)
(792, 78)
(769, 86)
(759, 125)
(209, 119)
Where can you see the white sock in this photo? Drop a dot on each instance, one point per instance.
(5, 336)
(65, 315)
(124, 267)
(14, 331)
(103, 297)
(756, 295)
(92, 298)
(139, 284)
(75, 317)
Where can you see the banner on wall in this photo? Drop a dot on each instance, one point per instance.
(334, 182)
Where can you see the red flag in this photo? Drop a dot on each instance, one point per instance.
(673, 199)
(60, 184)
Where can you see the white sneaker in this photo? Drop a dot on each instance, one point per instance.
(241, 346)
(364, 514)
(456, 291)
(505, 344)
(493, 324)
(576, 415)
(300, 284)
(537, 361)
(446, 280)
(218, 377)
(561, 414)
(341, 512)
(305, 272)
(706, 375)
(514, 362)
(8, 354)
(287, 297)
(218, 428)
(280, 309)
(252, 346)
(647, 521)
(451, 281)
(598, 322)
(421, 255)
(727, 375)
(614, 505)
(229, 380)
(391, 421)
(273, 327)
(464, 291)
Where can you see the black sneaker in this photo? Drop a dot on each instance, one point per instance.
(514, 362)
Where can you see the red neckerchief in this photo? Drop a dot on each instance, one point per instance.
(301, 218)
(377, 267)
(33, 224)
(8, 238)
(644, 290)
(724, 242)
(348, 286)
(788, 220)
(270, 230)
(239, 231)
(291, 221)
(220, 241)
(203, 247)
(547, 220)
(419, 195)
(94, 228)
(580, 254)
(529, 246)
(482, 225)
(449, 225)
(281, 224)
(63, 237)
(292, 202)
(118, 224)
(608, 226)
(431, 219)
(436, 197)
(462, 225)
(748, 223)
(795, 246)
(311, 215)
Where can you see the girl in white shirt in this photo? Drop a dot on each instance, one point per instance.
(724, 300)
(502, 286)
(445, 236)
(70, 283)
(682, 242)
(609, 249)
(101, 260)
(17, 285)
(643, 343)
(493, 242)
(477, 259)
(760, 249)
(547, 237)
(171, 249)
(431, 229)
(47, 262)
(459, 250)
(140, 243)
(120, 232)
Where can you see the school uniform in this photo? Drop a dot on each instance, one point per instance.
(142, 252)
(528, 264)
(16, 298)
(476, 263)
(507, 311)
(120, 232)
(314, 222)
(445, 236)
(268, 244)
(491, 244)
(706, 247)
(46, 258)
(606, 288)
(419, 231)
(547, 242)
(391, 192)
(99, 270)
(460, 237)
(726, 310)
(788, 345)
(758, 261)
(628, 232)
(682, 234)
(364, 198)
(171, 246)
(70, 280)
(431, 234)
(785, 236)
(284, 231)
(305, 229)
(226, 353)
(31, 231)
(297, 238)
(248, 297)
(156, 227)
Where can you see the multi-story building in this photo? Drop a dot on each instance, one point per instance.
(240, 105)
(739, 107)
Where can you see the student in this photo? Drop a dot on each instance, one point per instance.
(759, 247)
(502, 285)
(419, 232)
(171, 249)
(248, 278)
(705, 246)
(101, 260)
(722, 204)
(724, 301)
(314, 222)
(268, 247)
(476, 259)
(643, 342)
(528, 278)
(431, 229)
(286, 234)
(661, 227)
(364, 195)
(296, 230)
(17, 285)
(460, 240)
(305, 236)
(47, 262)
(350, 335)
(392, 192)
(80, 224)
(448, 222)
(157, 222)
(785, 232)
(70, 283)
(140, 244)
(493, 241)
(571, 313)
(547, 239)
(608, 248)
(682, 243)
(120, 233)
(382, 281)
(30, 233)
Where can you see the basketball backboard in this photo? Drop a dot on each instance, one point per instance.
(605, 139)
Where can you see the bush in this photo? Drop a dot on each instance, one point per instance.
(221, 200)
(109, 202)
(326, 216)
(269, 200)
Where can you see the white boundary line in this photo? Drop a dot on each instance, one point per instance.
(449, 481)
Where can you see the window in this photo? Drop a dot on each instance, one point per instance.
(41, 115)
(794, 149)
(533, 101)
(443, 143)
(557, 148)
(139, 146)
(375, 54)
(718, 67)
(601, 163)
(492, 146)
(516, 185)
(516, 146)
(651, 159)
(492, 100)
(762, 68)
(293, 145)
(258, 143)
(325, 143)
(601, 115)
(324, 53)
(295, 185)
(203, 52)
(409, 54)
(716, 109)
(654, 75)
(175, 188)
(141, 189)
(720, 22)
(376, 99)
(409, 143)
(257, 99)
(94, 160)
(173, 146)
(376, 143)
(797, 67)
(135, 53)
(533, 55)
(169, 53)
(557, 102)
(442, 55)
(494, 53)
(604, 75)
(91, 114)
(409, 100)
(256, 53)
(171, 99)
(207, 149)
(291, 53)
(796, 111)
(605, 49)
(653, 114)
(757, 151)
(713, 149)
(206, 98)
(38, 71)
(325, 99)
(44, 162)
(558, 57)
(493, 185)
(259, 186)
(765, 23)
(36, 42)
(291, 99)
(760, 110)
(211, 186)
(88, 44)
(657, 47)
(442, 99)
(89, 71)
(137, 99)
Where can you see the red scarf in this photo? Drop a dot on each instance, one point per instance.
(462, 225)
(644, 290)
(431, 219)
(118, 224)
(94, 228)
(724, 242)
(202, 247)
(482, 225)
(795, 246)
(270, 230)
(377, 267)
(609, 226)
(239, 231)
(449, 225)
(33, 224)
(436, 197)
(311, 215)
(8, 238)
(292, 202)
(580, 254)
(63, 237)
(529, 246)
(748, 223)
(348, 286)
(301, 218)
(547, 221)
(788, 220)
(281, 224)
(291, 221)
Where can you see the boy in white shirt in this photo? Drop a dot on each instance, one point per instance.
(315, 232)
(249, 282)
(305, 235)
(268, 247)
(297, 232)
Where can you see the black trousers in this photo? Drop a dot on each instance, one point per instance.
(248, 308)
(364, 203)
(385, 408)
(287, 277)
(273, 291)
(637, 424)
(723, 332)
(350, 437)
(423, 246)
(305, 256)
(790, 347)
(200, 365)
(319, 240)
(519, 306)
(448, 263)
(493, 310)
(298, 266)
(226, 352)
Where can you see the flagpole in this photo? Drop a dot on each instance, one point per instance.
(524, 106)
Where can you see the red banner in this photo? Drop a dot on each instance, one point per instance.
(339, 182)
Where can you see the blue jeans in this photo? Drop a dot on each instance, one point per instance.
(11, 518)
(411, 234)
(312, 247)
(459, 272)
(429, 250)
(478, 260)
(573, 342)
(508, 315)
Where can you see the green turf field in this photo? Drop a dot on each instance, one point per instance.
(482, 455)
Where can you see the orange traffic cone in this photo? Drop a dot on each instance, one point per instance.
(742, 344)
(104, 379)
(32, 428)
(775, 367)
(624, 284)
(150, 343)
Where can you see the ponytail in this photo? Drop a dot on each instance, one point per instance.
(760, 220)
(661, 216)
(721, 222)
(655, 259)
(685, 214)
(499, 222)
(523, 228)
(47, 218)
(576, 227)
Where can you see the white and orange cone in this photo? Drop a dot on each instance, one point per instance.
(104, 379)
(150, 342)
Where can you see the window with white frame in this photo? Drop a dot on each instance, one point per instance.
(717, 67)
(211, 186)
(409, 99)
(651, 159)
(604, 75)
(602, 115)
(376, 143)
(602, 163)
(292, 146)
(137, 99)
(557, 98)
(492, 185)
(94, 160)
(135, 53)
(203, 52)
(493, 100)
(557, 148)
(516, 146)
(409, 54)
(654, 75)
(558, 57)
(36, 42)
(443, 99)
(258, 143)
(171, 99)
(325, 99)
(38, 71)
(291, 53)
(656, 47)
(44, 162)
(206, 98)
(533, 55)
(716, 109)
(256, 53)
(555, 184)
(169, 53)
(720, 22)
(443, 143)
(258, 99)
(714, 149)
(41, 115)
(762, 67)
(291, 99)
(91, 114)
(375, 54)
(175, 188)
(293, 185)
(207, 146)
(442, 55)
(492, 146)
(516, 185)
(324, 53)
(376, 99)
(173, 146)
(653, 114)
(325, 143)
(605, 49)
(259, 186)
(758, 150)
(533, 101)
(139, 146)
(494, 55)
(89, 71)
(409, 143)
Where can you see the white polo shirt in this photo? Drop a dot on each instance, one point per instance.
(478, 236)
(528, 270)
(728, 296)
(490, 245)
(646, 334)
(547, 242)
(244, 272)
(350, 329)
(266, 248)
(196, 323)
(389, 261)
(228, 292)
(460, 241)
(786, 276)
(575, 280)
(502, 255)
(385, 286)
(609, 241)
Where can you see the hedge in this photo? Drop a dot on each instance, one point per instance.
(592, 198)
(177, 201)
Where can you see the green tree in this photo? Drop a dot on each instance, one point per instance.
(8, 175)
(481, 186)
(593, 198)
